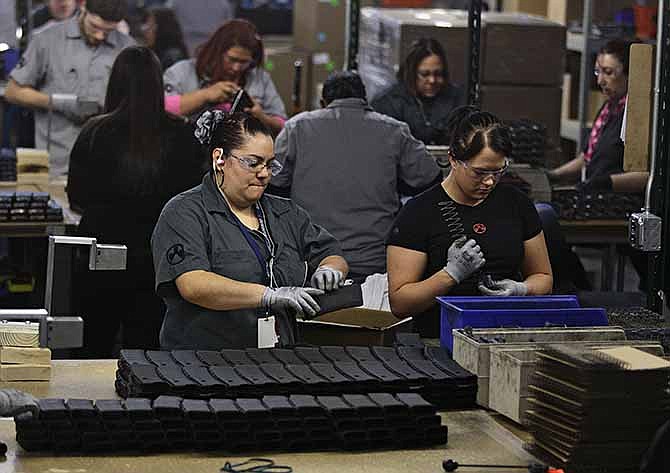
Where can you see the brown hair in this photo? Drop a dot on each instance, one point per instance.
(420, 50)
(209, 60)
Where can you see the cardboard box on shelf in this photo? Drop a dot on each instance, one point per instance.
(540, 104)
(319, 25)
(280, 63)
(355, 326)
(522, 49)
(532, 7)
(513, 45)
(322, 65)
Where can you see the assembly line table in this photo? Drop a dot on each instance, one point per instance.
(475, 436)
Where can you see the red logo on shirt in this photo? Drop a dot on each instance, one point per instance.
(479, 228)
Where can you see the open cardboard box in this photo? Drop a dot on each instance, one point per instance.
(353, 326)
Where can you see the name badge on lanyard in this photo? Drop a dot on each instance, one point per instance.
(267, 334)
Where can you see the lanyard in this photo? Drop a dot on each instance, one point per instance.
(265, 266)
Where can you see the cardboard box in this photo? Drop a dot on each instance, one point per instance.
(322, 64)
(640, 105)
(319, 25)
(522, 49)
(532, 7)
(280, 64)
(516, 48)
(540, 104)
(355, 326)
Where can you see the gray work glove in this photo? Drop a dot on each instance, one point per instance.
(463, 259)
(14, 402)
(74, 108)
(504, 288)
(296, 301)
(327, 278)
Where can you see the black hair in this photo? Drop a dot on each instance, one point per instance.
(217, 129)
(135, 96)
(108, 10)
(619, 49)
(168, 31)
(420, 50)
(135, 108)
(470, 130)
(343, 85)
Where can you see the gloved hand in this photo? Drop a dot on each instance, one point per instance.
(75, 109)
(327, 278)
(504, 288)
(14, 402)
(463, 259)
(596, 183)
(296, 301)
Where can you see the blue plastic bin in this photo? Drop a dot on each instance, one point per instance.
(494, 312)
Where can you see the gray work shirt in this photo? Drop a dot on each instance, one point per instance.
(197, 231)
(58, 60)
(343, 164)
(182, 78)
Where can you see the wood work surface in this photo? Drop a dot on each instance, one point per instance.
(474, 437)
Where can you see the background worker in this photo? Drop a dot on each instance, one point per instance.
(65, 69)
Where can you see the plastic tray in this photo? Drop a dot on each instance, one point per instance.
(494, 312)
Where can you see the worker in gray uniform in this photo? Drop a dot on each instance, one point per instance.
(347, 165)
(65, 70)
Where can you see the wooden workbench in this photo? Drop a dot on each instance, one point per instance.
(474, 436)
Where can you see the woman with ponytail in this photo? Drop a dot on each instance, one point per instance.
(468, 235)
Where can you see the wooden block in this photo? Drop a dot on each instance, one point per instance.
(25, 372)
(16, 355)
(19, 334)
(639, 113)
(565, 97)
(32, 158)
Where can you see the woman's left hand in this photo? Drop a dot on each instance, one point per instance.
(327, 278)
(504, 288)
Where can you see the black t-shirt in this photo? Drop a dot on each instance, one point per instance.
(500, 225)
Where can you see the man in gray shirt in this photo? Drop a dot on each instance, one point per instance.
(65, 69)
(344, 164)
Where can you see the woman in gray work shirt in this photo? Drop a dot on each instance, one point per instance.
(230, 60)
(232, 263)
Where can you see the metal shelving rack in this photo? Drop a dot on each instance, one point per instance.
(659, 280)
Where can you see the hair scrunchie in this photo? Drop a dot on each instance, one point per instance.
(205, 125)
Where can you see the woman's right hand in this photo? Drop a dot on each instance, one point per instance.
(463, 259)
(292, 300)
(222, 91)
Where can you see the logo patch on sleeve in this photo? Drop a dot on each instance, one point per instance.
(175, 254)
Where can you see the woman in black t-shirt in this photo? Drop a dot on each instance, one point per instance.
(466, 236)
